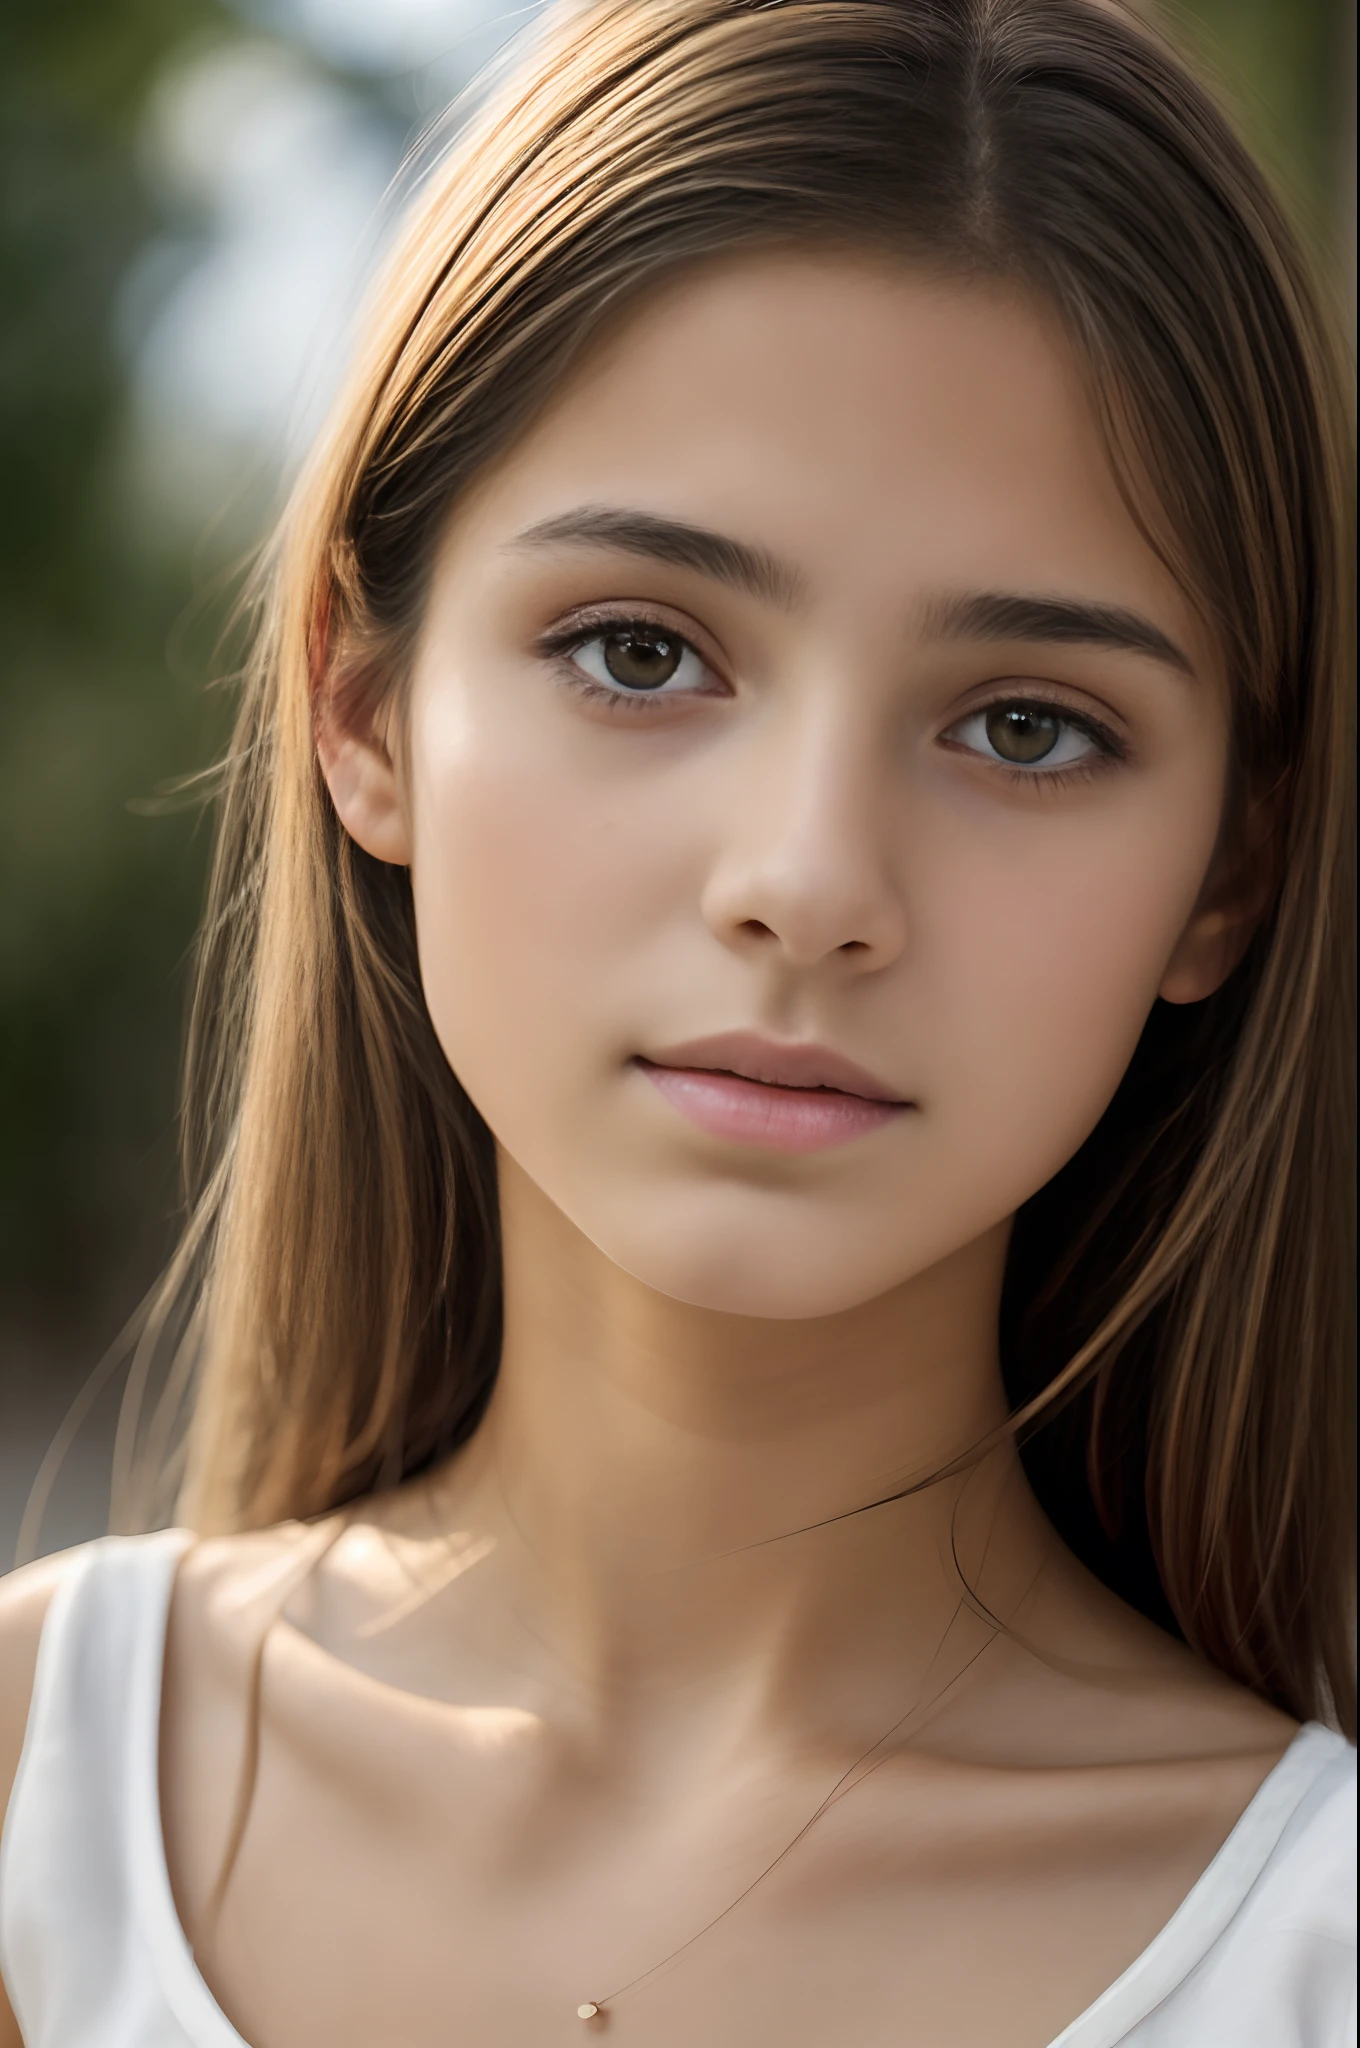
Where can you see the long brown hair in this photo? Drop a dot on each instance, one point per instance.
(1176, 1303)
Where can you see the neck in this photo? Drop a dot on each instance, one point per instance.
(674, 1491)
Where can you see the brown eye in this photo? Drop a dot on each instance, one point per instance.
(634, 661)
(1022, 733)
(640, 661)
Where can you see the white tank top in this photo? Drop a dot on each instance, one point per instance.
(1261, 1954)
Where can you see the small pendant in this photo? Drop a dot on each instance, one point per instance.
(588, 2011)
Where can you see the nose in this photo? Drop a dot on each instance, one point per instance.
(806, 871)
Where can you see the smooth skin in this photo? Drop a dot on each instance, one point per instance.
(531, 1723)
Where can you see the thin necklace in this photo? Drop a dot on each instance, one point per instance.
(599, 2008)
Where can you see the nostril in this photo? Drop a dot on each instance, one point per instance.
(753, 927)
(854, 946)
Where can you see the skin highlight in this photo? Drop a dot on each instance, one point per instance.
(535, 1718)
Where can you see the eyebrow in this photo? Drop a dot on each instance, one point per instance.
(969, 615)
(1060, 621)
(735, 562)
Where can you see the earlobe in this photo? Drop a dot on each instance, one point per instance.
(363, 784)
(1206, 953)
(1221, 928)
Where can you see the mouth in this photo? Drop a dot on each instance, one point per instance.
(779, 1097)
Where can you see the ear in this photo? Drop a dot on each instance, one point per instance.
(1234, 899)
(356, 755)
(362, 780)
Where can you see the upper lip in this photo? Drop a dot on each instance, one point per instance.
(782, 1063)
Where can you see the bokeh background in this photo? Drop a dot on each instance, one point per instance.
(193, 193)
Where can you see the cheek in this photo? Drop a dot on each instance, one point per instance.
(539, 887)
(557, 902)
(1057, 940)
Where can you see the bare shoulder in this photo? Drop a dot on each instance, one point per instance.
(1165, 1700)
(212, 1590)
(228, 1593)
(1084, 1681)
(226, 1585)
(217, 1587)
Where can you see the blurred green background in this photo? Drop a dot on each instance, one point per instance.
(192, 189)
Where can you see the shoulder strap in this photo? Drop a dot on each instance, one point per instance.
(85, 1796)
(1305, 1773)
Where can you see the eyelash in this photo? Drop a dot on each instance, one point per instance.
(1108, 747)
(561, 646)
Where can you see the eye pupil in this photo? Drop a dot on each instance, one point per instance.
(1019, 732)
(641, 662)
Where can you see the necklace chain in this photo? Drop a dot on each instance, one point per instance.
(597, 2008)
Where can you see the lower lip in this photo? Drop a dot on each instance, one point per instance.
(776, 1119)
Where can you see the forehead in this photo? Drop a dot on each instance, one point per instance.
(880, 428)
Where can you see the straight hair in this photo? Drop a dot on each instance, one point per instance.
(1176, 1309)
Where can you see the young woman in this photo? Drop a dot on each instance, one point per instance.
(765, 1309)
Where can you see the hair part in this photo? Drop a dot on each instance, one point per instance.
(1176, 1309)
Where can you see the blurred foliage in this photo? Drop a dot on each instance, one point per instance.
(101, 686)
(97, 902)
(1286, 68)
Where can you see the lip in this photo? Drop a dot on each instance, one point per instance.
(778, 1096)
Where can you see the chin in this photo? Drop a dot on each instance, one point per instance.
(729, 1273)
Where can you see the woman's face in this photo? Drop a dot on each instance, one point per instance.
(801, 684)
